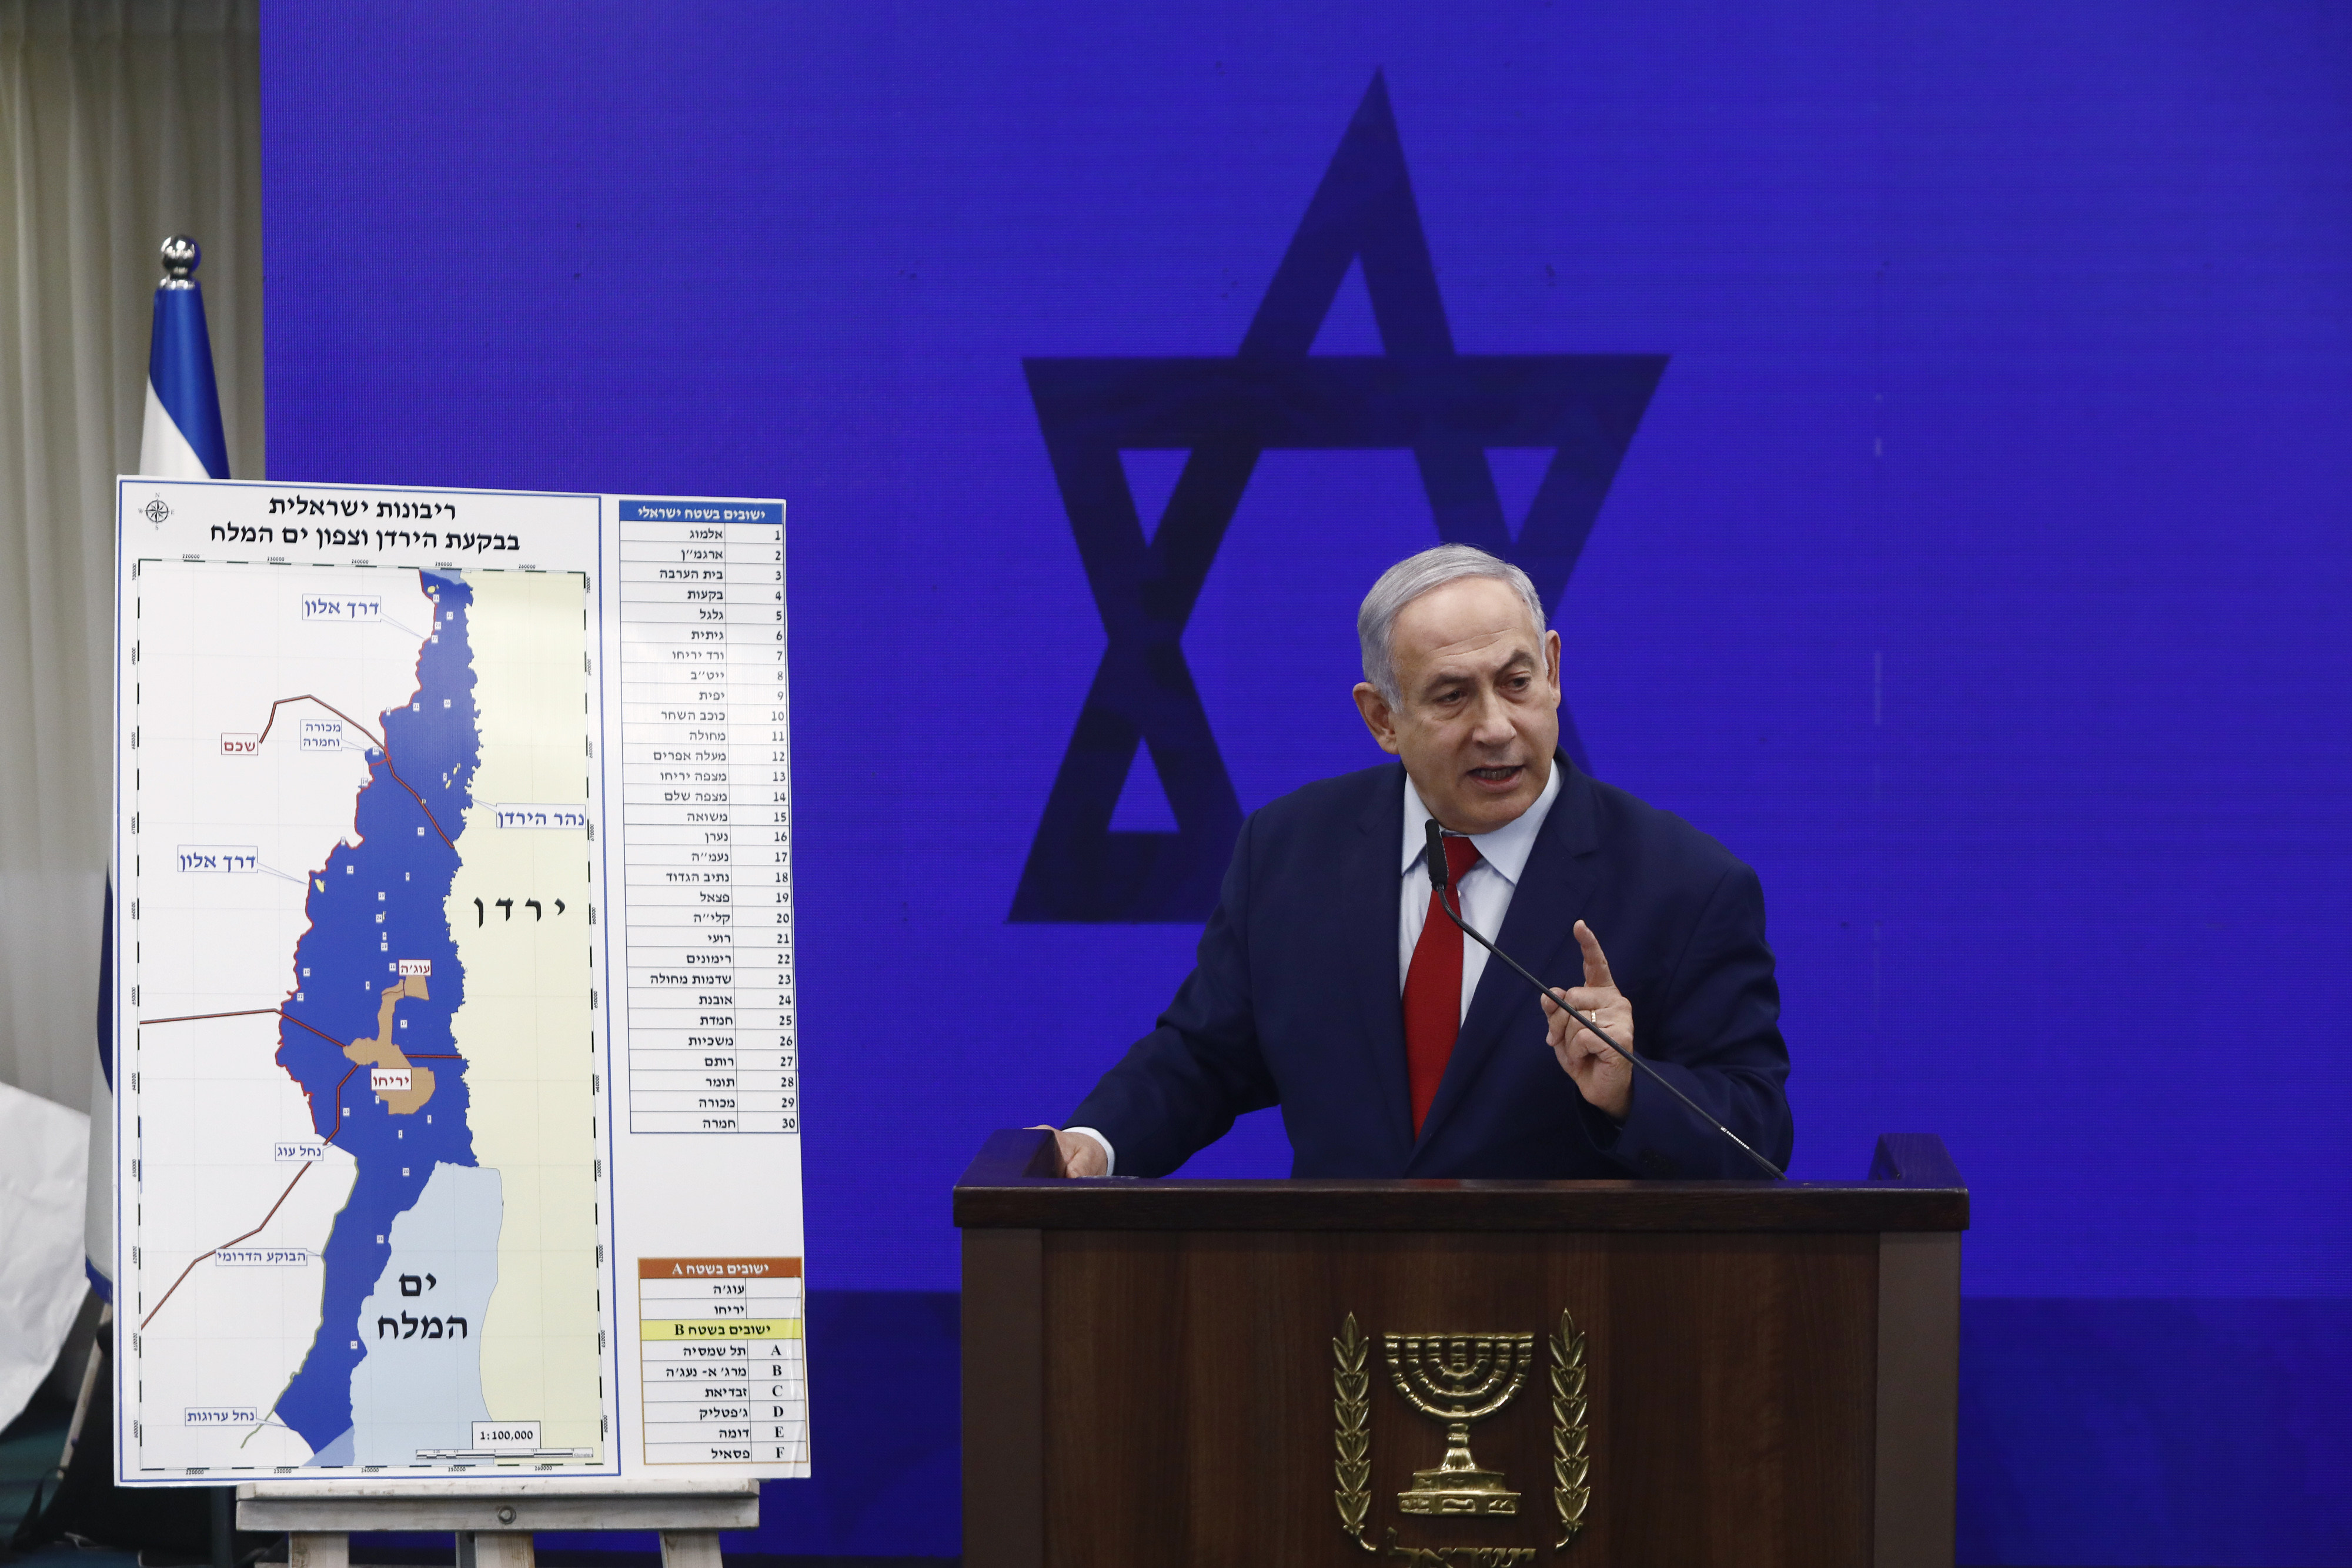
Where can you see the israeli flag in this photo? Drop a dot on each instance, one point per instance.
(182, 439)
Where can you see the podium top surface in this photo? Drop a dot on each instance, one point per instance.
(1013, 1185)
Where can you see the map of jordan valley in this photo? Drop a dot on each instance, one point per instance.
(367, 1218)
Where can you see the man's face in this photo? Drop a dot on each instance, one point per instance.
(1480, 709)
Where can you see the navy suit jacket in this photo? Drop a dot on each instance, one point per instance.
(1295, 1002)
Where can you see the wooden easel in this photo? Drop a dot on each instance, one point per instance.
(494, 1519)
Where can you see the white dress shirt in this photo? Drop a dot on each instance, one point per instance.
(1484, 896)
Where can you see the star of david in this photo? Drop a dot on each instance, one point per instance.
(1446, 408)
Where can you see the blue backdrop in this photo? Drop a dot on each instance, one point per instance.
(1971, 571)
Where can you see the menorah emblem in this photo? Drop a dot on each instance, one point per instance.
(1459, 1379)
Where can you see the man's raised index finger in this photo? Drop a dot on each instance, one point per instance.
(1596, 962)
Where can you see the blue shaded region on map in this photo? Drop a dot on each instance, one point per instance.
(377, 902)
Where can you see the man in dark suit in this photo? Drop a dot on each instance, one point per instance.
(1329, 983)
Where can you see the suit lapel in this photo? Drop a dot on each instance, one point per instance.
(1538, 931)
(1368, 894)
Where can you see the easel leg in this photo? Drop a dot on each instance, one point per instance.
(689, 1548)
(224, 1521)
(492, 1549)
(318, 1551)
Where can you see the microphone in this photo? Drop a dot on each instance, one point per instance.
(1433, 858)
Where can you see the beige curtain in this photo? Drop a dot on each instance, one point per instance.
(122, 121)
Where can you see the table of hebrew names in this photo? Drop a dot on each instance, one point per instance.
(720, 1348)
(707, 853)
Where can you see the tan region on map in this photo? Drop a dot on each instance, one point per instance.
(524, 1027)
(381, 1052)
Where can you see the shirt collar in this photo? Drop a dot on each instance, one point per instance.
(1506, 849)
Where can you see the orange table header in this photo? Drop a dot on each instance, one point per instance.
(719, 1268)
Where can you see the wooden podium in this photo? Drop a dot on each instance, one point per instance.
(1459, 1372)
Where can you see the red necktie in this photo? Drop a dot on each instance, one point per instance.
(1433, 987)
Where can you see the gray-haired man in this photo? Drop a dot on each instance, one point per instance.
(1329, 982)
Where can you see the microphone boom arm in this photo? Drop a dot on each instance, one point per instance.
(1440, 882)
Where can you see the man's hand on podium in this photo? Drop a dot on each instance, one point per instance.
(1602, 1077)
(1081, 1156)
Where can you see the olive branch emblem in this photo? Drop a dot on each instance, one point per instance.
(1570, 1465)
(1351, 1438)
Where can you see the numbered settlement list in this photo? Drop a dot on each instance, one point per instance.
(705, 770)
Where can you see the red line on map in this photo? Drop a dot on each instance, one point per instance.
(346, 1078)
(418, 798)
(231, 1242)
(307, 698)
(249, 1012)
(380, 745)
(322, 1034)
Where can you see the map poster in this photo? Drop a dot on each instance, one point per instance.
(452, 976)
